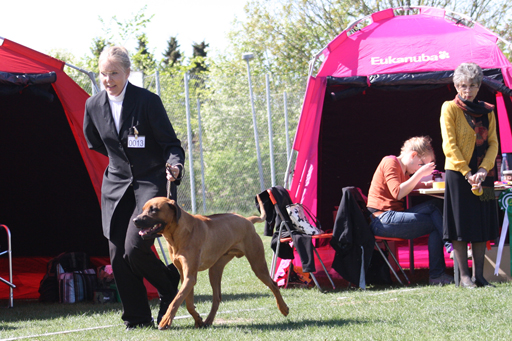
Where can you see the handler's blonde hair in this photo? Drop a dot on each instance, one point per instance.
(419, 144)
(118, 54)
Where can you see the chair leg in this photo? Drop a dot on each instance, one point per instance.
(325, 269)
(386, 246)
(316, 282)
(387, 262)
(274, 258)
(396, 261)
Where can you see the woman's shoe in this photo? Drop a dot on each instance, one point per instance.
(482, 283)
(468, 284)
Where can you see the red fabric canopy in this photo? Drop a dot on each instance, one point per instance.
(50, 199)
(16, 58)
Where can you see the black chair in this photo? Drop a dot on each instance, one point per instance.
(351, 228)
(286, 233)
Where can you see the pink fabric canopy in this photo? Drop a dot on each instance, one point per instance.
(424, 42)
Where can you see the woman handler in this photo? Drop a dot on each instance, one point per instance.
(130, 126)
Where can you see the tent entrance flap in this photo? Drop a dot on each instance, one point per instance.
(356, 132)
(47, 198)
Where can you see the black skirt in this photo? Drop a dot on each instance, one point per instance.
(466, 217)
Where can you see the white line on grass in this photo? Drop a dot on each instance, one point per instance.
(116, 325)
(393, 291)
(382, 293)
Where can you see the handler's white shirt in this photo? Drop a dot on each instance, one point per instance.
(116, 105)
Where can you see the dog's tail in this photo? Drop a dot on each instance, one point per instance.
(262, 217)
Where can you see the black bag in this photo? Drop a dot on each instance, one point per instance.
(77, 263)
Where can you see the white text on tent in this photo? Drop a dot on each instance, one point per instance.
(415, 59)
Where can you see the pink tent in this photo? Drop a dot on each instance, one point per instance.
(380, 84)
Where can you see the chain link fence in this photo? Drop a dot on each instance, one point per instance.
(216, 130)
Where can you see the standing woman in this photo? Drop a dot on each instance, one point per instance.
(470, 144)
(130, 126)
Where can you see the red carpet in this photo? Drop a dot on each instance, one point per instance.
(29, 271)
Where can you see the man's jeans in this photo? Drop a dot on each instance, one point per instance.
(412, 223)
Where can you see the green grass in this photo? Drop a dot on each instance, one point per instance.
(249, 312)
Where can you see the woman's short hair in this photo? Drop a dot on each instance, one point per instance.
(419, 144)
(470, 72)
(118, 54)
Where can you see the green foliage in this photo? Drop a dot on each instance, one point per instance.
(96, 48)
(143, 60)
(284, 34)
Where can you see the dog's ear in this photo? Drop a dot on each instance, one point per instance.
(176, 209)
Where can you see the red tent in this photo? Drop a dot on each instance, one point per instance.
(381, 81)
(49, 180)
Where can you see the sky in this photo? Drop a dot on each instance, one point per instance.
(72, 25)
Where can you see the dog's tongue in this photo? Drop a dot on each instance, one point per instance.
(148, 230)
(145, 231)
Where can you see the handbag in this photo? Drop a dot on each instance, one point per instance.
(299, 220)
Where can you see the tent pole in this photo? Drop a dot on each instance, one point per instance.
(90, 74)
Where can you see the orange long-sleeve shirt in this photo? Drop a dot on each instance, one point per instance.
(385, 186)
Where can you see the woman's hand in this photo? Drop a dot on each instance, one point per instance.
(172, 172)
(426, 169)
(478, 177)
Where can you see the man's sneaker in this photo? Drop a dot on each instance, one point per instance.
(441, 280)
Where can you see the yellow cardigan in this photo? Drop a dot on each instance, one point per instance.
(459, 140)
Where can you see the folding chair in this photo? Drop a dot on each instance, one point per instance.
(9, 252)
(384, 241)
(284, 224)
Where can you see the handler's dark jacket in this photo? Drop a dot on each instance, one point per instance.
(142, 168)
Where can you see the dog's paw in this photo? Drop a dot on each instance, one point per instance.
(200, 324)
(284, 310)
(164, 324)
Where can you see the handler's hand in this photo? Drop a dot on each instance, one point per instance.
(172, 172)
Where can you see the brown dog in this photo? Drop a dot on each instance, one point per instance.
(197, 243)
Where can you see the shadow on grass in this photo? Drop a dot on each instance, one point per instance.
(34, 310)
(231, 297)
(280, 326)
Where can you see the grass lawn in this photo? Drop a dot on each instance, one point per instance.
(249, 312)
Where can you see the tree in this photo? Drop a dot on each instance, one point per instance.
(198, 61)
(143, 60)
(172, 55)
(98, 45)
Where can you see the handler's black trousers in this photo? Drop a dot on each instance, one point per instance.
(132, 260)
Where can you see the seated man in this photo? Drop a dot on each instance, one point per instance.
(393, 180)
